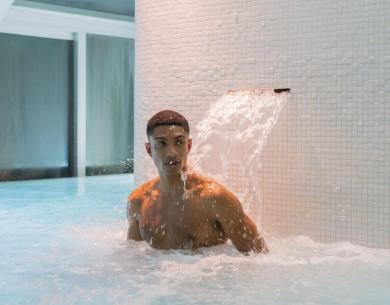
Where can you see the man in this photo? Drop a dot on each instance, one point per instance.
(183, 210)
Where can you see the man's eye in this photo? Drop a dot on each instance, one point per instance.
(179, 142)
(161, 144)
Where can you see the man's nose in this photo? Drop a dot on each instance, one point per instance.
(172, 152)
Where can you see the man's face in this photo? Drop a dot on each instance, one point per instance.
(169, 146)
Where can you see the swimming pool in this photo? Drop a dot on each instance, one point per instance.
(63, 241)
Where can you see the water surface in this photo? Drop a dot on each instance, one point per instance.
(63, 241)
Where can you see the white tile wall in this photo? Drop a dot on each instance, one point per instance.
(326, 167)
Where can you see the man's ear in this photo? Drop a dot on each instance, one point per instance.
(189, 144)
(148, 149)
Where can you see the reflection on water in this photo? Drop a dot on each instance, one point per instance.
(62, 246)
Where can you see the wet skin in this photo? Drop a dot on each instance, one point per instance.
(168, 214)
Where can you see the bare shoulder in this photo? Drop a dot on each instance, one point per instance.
(134, 207)
(212, 191)
(143, 191)
(226, 199)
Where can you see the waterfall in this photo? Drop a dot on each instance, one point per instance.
(229, 140)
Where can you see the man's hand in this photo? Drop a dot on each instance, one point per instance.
(259, 246)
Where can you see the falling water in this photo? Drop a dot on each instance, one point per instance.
(228, 142)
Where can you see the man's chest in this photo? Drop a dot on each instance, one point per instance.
(171, 224)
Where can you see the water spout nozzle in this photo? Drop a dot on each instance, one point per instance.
(259, 91)
(282, 90)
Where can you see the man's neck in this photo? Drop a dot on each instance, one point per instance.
(171, 186)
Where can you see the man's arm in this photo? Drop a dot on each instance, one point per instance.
(133, 210)
(236, 225)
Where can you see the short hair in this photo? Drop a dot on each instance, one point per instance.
(167, 117)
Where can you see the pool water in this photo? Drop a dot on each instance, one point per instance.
(63, 241)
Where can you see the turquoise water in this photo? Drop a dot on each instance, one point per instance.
(63, 241)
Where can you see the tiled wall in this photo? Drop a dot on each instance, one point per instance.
(326, 167)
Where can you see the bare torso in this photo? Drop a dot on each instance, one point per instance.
(206, 214)
(184, 221)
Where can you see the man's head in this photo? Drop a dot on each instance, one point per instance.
(169, 142)
(167, 117)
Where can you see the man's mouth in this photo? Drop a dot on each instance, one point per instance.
(172, 163)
